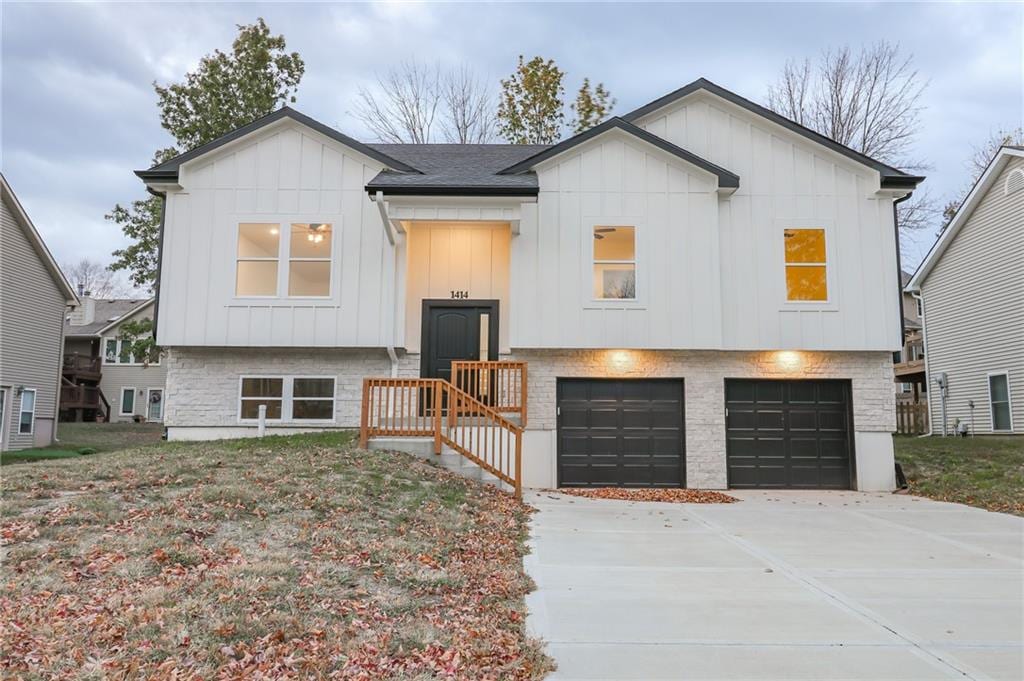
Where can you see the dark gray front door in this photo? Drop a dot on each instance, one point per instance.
(452, 331)
(789, 434)
(620, 433)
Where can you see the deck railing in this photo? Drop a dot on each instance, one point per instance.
(76, 363)
(433, 407)
(499, 385)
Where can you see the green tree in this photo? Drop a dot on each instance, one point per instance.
(591, 106)
(137, 340)
(531, 103)
(226, 91)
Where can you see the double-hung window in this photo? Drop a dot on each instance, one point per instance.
(302, 261)
(999, 401)
(806, 265)
(287, 398)
(127, 401)
(27, 413)
(614, 271)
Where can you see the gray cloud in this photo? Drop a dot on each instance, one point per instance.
(79, 113)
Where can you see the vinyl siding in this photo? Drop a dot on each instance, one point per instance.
(31, 332)
(115, 376)
(974, 309)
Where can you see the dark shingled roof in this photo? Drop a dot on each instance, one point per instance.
(108, 310)
(458, 169)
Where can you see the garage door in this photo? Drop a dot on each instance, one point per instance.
(789, 434)
(620, 433)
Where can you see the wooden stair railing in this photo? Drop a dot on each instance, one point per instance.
(500, 385)
(433, 407)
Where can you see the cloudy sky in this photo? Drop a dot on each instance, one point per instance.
(79, 112)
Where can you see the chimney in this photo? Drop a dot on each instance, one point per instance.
(84, 313)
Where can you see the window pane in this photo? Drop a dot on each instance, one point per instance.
(128, 401)
(309, 278)
(998, 388)
(313, 387)
(312, 240)
(615, 282)
(313, 409)
(1001, 416)
(805, 245)
(251, 409)
(806, 283)
(25, 423)
(256, 278)
(28, 400)
(110, 352)
(262, 387)
(258, 240)
(125, 357)
(614, 243)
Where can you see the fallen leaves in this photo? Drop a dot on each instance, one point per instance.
(669, 495)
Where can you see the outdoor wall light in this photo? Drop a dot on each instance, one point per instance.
(788, 359)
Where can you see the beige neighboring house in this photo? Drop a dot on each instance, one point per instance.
(972, 288)
(908, 363)
(33, 296)
(101, 377)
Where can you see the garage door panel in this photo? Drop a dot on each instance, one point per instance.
(630, 434)
(808, 428)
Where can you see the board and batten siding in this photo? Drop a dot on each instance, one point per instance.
(618, 180)
(974, 309)
(285, 173)
(788, 181)
(31, 333)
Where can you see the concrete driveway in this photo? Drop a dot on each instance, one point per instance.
(783, 585)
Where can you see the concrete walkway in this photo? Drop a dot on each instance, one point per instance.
(784, 585)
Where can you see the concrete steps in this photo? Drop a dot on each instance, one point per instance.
(423, 447)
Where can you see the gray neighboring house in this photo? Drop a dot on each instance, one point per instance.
(33, 297)
(101, 377)
(972, 288)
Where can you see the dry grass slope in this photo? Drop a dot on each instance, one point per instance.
(278, 558)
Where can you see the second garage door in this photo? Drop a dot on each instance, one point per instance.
(789, 434)
(620, 433)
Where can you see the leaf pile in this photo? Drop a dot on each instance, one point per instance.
(669, 495)
(262, 559)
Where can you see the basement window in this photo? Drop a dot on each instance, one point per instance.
(287, 398)
(806, 266)
(999, 402)
(614, 263)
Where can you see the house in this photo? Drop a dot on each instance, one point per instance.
(971, 285)
(698, 293)
(908, 362)
(33, 296)
(101, 376)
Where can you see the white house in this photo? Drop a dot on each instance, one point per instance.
(971, 285)
(700, 292)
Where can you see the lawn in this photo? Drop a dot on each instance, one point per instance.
(981, 471)
(91, 437)
(273, 558)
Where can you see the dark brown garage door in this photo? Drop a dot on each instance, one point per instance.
(789, 434)
(620, 433)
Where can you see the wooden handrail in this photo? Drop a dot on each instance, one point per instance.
(433, 407)
(501, 385)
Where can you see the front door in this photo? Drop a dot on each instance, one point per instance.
(457, 330)
(155, 402)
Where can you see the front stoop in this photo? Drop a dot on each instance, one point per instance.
(449, 459)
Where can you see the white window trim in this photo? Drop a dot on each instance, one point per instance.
(639, 262)
(120, 402)
(149, 395)
(117, 355)
(287, 399)
(3, 412)
(284, 258)
(1009, 400)
(831, 264)
(21, 410)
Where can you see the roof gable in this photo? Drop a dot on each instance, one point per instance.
(109, 313)
(456, 170)
(892, 178)
(23, 220)
(978, 192)
(726, 179)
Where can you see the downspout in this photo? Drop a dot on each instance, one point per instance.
(382, 207)
(919, 297)
(159, 256)
(899, 265)
(393, 356)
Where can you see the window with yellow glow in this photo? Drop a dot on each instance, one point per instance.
(309, 259)
(257, 258)
(614, 263)
(806, 267)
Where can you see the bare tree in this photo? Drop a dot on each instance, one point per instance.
(404, 106)
(468, 108)
(981, 155)
(98, 280)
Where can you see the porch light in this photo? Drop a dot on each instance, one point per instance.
(788, 360)
(620, 359)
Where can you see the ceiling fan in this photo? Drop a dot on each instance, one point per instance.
(601, 231)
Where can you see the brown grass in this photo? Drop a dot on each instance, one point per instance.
(278, 558)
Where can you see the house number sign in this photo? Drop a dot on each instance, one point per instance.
(460, 295)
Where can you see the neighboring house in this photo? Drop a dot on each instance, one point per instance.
(908, 363)
(101, 377)
(700, 293)
(972, 287)
(33, 296)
